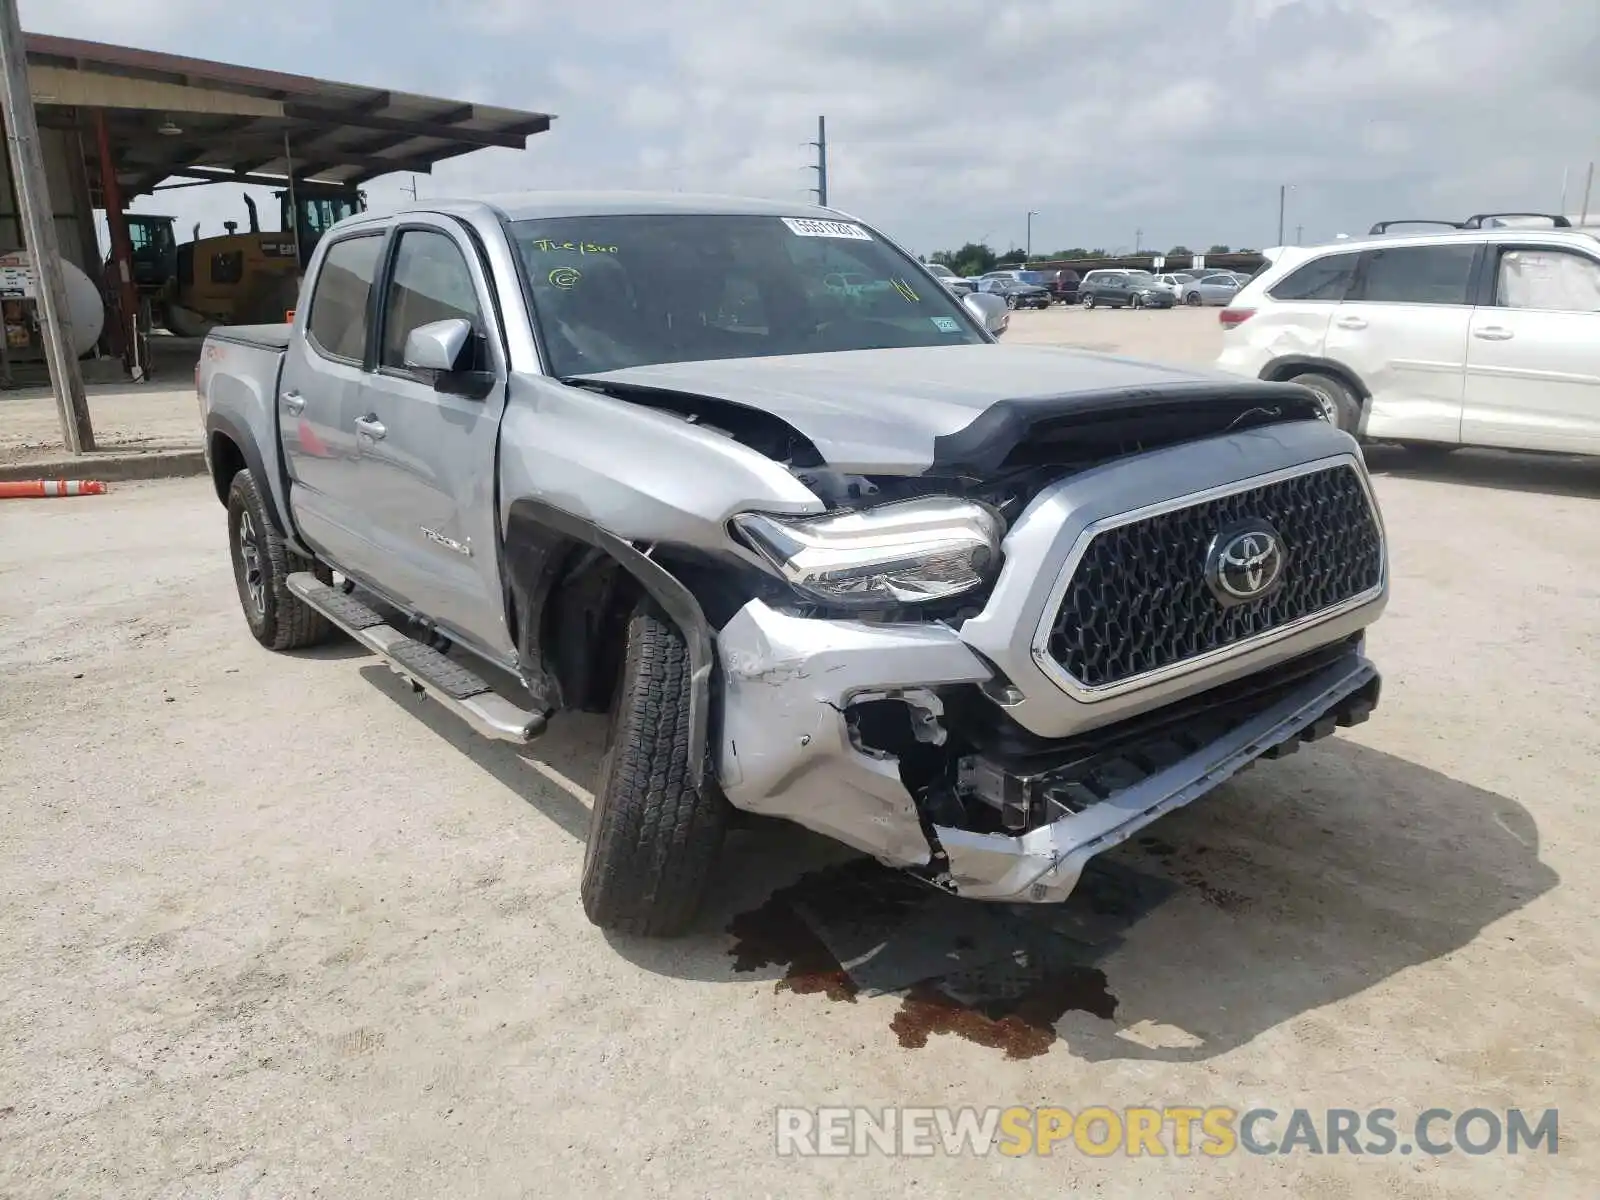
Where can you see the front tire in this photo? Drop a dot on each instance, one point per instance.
(1192, 300)
(653, 836)
(1135, 302)
(1088, 302)
(1340, 405)
(262, 564)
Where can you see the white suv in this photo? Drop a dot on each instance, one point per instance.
(1485, 335)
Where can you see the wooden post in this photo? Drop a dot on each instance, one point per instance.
(33, 196)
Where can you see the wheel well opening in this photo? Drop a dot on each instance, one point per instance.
(569, 607)
(1288, 372)
(227, 460)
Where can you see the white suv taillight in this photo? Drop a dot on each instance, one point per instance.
(1232, 318)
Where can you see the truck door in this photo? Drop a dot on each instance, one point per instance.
(318, 398)
(428, 443)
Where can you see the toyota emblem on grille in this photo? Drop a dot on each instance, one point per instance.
(1245, 563)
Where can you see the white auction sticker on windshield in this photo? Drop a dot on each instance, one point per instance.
(946, 324)
(811, 227)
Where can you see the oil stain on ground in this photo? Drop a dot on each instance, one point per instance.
(1000, 976)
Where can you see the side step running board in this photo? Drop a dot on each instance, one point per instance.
(447, 681)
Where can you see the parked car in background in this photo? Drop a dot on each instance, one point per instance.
(1480, 336)
(1173, 282)
(1063, 285)
(1123, 289)
(1220, 288)
(958, 285)
(1017, 294)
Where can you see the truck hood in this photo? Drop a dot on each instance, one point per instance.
(955, 408)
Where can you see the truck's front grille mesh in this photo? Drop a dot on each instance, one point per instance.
(1138, 600)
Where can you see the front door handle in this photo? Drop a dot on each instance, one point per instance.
(294, 402)
(1493, 333)
(1351, 323)
(371, 426)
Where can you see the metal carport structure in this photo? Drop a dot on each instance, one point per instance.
(115, 122)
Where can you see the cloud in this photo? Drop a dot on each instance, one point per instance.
(949, 120)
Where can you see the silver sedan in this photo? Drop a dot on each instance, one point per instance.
(1210, 289)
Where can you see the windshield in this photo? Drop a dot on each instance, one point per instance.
(624, 291)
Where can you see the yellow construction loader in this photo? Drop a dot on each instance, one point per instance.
(237, 278)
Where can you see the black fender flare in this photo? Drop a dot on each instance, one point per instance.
(1283, 368)
(662, 586)
(217, 423)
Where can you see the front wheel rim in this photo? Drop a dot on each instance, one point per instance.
(250, 563)
(1327, 407)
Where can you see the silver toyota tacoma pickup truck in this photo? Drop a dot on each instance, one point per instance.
(745, 476)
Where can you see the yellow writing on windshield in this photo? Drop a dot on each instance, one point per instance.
(904, 288)
(550, 245)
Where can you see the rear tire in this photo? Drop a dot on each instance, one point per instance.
(1340, 405)
(653, 836)
(262, 564)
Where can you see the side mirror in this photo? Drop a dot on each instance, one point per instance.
(990, 309)
(437, 346)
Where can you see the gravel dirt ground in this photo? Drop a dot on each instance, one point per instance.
(125, 417)
(271, 927)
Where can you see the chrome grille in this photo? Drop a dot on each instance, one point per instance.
(1138, 601)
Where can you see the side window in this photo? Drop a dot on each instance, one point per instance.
(1555, 280)
(1326, 278)
(337, 326)
(1419, 274)
(431, 282)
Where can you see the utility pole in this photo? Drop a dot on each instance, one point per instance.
(1028, 248)
(1138, 240)
(1298, 232)
(33, 197)
(1588, 186)
(412, 190)
(821, 167)
(1283, 195)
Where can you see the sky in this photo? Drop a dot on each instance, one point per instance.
(1115, 121)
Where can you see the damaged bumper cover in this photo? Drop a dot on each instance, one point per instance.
(787, 750)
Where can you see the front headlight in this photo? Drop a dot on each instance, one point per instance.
(907, 552)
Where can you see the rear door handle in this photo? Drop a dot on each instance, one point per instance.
(372, 427)
(1493, 333)
(1351, 323)
(294, 402)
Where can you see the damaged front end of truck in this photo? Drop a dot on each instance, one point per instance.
(1074, 620)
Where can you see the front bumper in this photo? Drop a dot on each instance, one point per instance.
(788, 749)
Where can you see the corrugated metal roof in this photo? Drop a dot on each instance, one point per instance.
(340, 133)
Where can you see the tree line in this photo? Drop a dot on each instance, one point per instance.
(976, 258)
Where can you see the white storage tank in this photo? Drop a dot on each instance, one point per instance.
(85, 308)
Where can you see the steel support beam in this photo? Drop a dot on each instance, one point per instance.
(121, 245)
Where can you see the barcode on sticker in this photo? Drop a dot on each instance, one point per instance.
(811, 227)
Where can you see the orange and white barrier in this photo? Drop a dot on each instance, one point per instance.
(31, 489)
